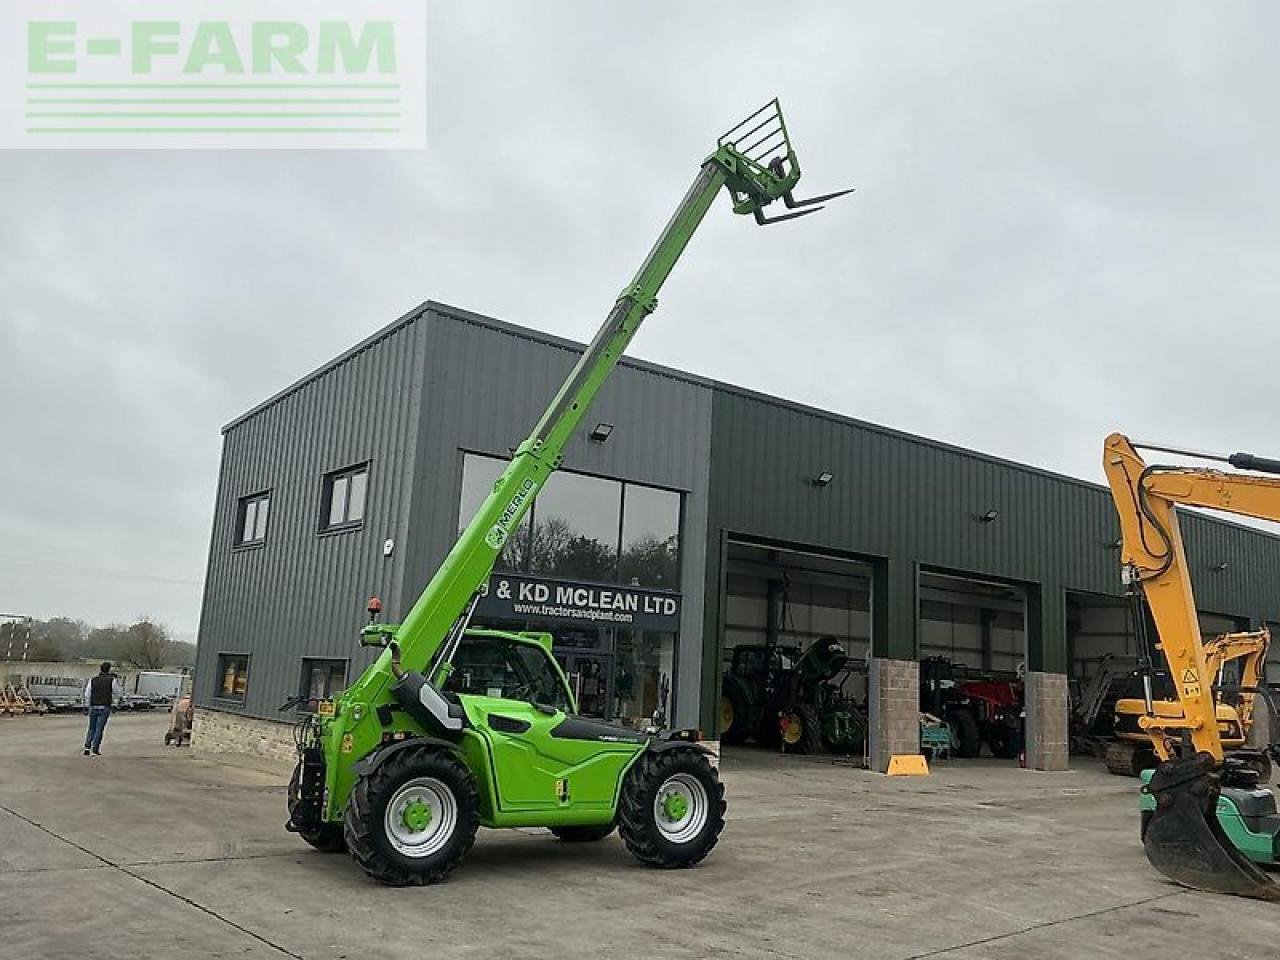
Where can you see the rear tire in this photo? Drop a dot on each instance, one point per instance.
(1003, 737)
(328, 839)
(583, 834)
(735, 716)
(672, 808)
(410, 821)
(810, 734)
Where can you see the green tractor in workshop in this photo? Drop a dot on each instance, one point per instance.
(780, 695)
(452, 728)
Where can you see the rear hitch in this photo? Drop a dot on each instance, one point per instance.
(1184, 839)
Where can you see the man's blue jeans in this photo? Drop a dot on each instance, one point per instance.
(98, 717)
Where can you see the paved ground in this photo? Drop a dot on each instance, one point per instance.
(148, 852)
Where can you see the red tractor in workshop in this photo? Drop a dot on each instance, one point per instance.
(979, 710)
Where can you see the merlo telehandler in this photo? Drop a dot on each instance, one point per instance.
(1206, 820)
(407, 762)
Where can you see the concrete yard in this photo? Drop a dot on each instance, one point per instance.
(153, 852)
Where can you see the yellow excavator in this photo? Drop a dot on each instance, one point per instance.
(1206, 821)
(1134, 749)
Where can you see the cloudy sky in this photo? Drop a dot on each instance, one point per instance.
(1067, 221)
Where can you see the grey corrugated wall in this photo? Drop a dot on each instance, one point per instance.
(487, 383)
(917, 502)
(303, 593)
(411, 399)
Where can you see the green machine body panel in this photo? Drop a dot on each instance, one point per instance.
(1257, 836)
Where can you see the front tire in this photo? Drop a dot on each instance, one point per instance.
(672, 808)
(410, 821)
(328, 839)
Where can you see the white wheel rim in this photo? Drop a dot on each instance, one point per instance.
(680, 808)
(404, 818)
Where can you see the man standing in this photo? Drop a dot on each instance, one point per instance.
(99, 694)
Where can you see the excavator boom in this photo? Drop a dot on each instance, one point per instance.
(1183, 838)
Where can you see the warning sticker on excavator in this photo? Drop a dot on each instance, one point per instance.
(1190, 683)
(1190, 676)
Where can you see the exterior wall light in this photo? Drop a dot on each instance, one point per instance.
(1219, 567)
(989, 516)
(822, 479)
(601, 433)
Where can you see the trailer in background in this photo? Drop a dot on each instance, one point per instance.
(157, 686)
(56, 693)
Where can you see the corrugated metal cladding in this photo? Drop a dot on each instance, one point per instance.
(440, 381)
(486, 385)
(303, 593)
(918, 502)
(412, 399)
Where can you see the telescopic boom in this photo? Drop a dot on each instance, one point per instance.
(755, 162)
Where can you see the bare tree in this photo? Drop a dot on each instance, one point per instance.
(145, 645)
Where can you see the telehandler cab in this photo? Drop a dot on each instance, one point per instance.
(1206, 819)
(451, 728)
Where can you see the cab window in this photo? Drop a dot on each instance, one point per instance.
(497, 667)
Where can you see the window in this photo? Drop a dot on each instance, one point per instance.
(496, 667)
(645, 666)
(575, 528)
(582, 527)
(344, 495)
(321, 680)
(251, 519)
(650, 538)
(479, 474)
(233, 676)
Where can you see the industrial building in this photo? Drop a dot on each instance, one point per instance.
(690, 517)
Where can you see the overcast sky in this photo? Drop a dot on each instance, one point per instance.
(1067, 222)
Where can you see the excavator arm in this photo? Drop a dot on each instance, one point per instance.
(1184, 839)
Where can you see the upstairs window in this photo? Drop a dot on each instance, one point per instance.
(251, 519)
(344, 495)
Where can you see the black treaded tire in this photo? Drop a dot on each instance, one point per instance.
(740, 729)
(364, 826)
(636, 820)
(968, 738)
(328, 839)
(580, 834)
(810, 732)
(1003, 738)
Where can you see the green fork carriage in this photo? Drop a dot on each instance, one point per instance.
(451, 728)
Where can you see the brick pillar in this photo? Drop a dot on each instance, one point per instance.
(893, 697)
(1048, 707)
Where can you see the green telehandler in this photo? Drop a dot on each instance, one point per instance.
(451, 728)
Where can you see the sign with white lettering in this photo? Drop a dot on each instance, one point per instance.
(517, 597)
